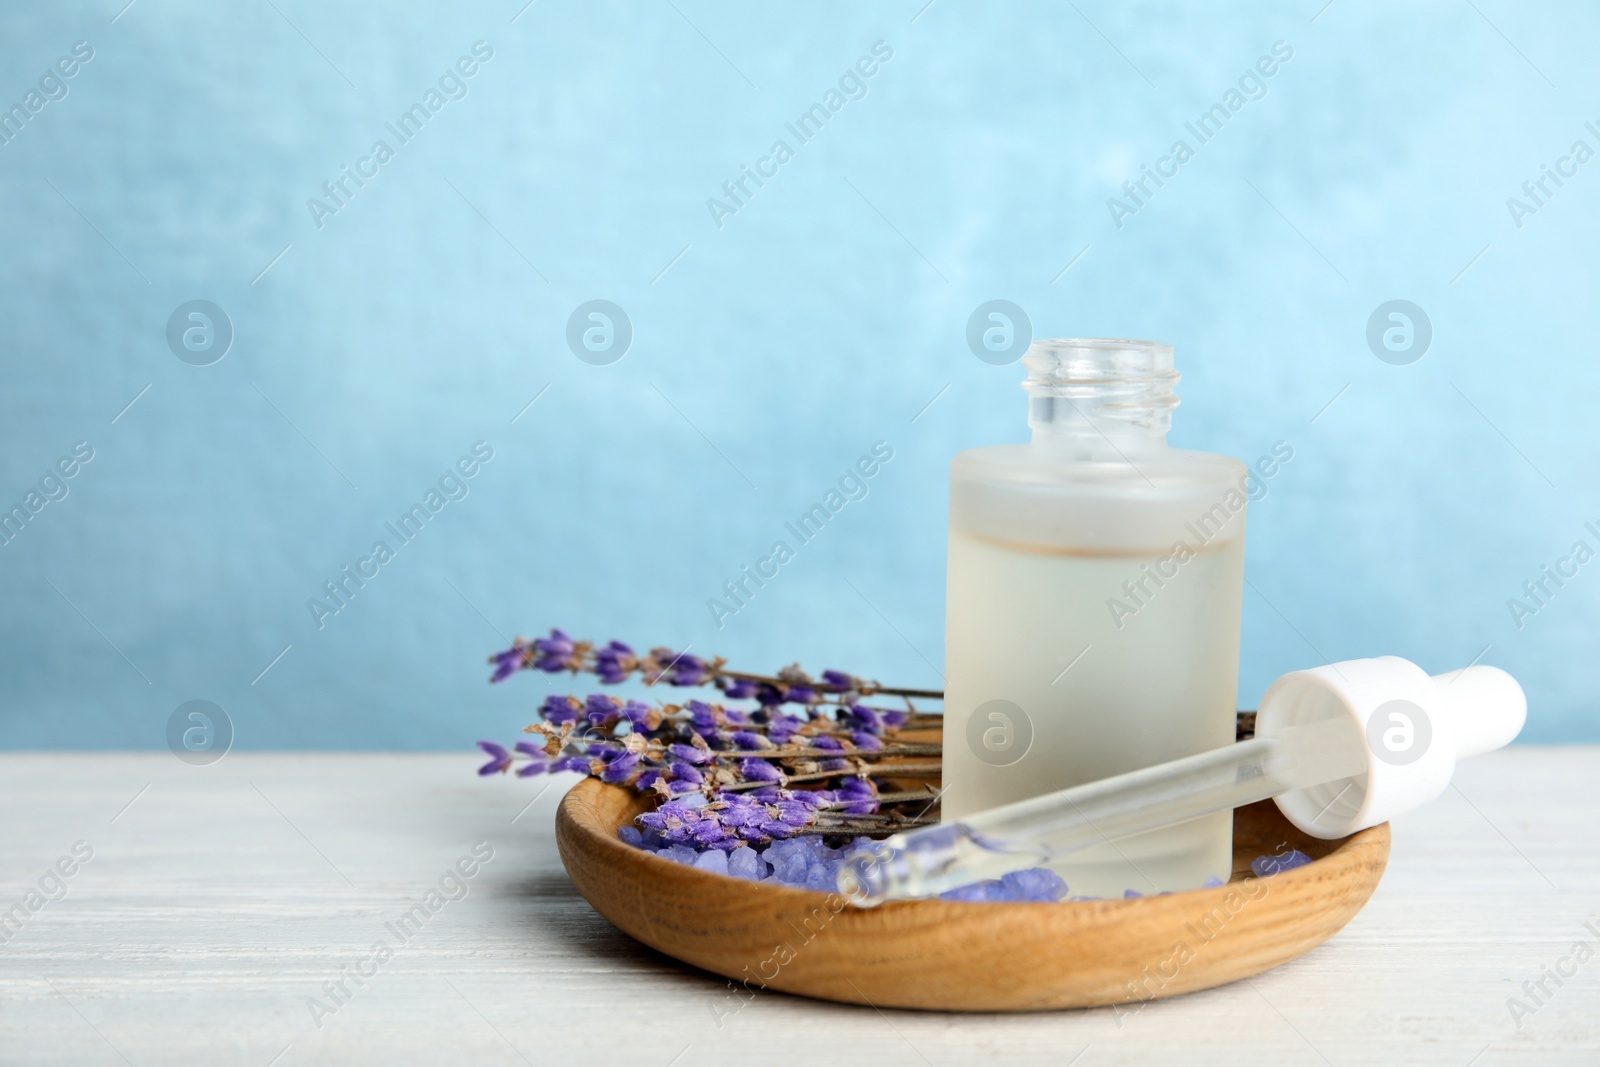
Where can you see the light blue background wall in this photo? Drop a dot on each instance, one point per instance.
(824, 316)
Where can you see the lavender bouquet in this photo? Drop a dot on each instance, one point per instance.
(774, 757)
(774, 779)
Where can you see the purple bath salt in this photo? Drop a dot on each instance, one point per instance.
(679, 854)
(807, 862)
(1037, 884)
(714, 860)
(746, 863)
(976, 893)
(1277, 864)
(788, 859)
(823, 876)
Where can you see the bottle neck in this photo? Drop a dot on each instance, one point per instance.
(1100, 398)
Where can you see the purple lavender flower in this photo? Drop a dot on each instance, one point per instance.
(862, 717)
(770, 695)
(538, 761)
(641, 715)
(676, 668)
(602, 710)
(839, 681)
(791, 813)
(702, 718)
(508, 662)
(864, 740)
(760, 770)
(782, 728)
(500, 760)
(680, 823)
(556, 653)
(857, 787)
(732, 819)
(687, 753)
(690, 670)
(686, 773)
(618, 768)
(742, 812)
(831, 744)
(559, 709)
(615, 662)
(669, 820)
(858, 796)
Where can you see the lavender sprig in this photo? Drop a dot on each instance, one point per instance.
(672, 749)
(615, 662)
(727, 775)
(732, 820)
(536, 762)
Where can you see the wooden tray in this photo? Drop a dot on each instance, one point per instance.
(971, 957)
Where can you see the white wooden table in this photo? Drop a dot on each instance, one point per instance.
(219, 900)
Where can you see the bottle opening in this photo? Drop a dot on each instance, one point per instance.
(1100, 386)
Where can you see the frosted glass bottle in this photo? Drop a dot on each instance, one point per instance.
(1092, 612)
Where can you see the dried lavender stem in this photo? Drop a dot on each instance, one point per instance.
(907, 796)
(864, 830)
(832, 753)
(904, 770)
(866, 690)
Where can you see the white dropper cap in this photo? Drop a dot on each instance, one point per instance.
(1409, 728)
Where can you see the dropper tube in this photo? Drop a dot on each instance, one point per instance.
(1042, 829)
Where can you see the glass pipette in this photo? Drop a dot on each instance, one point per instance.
(1317, 725)
(1037, 831)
